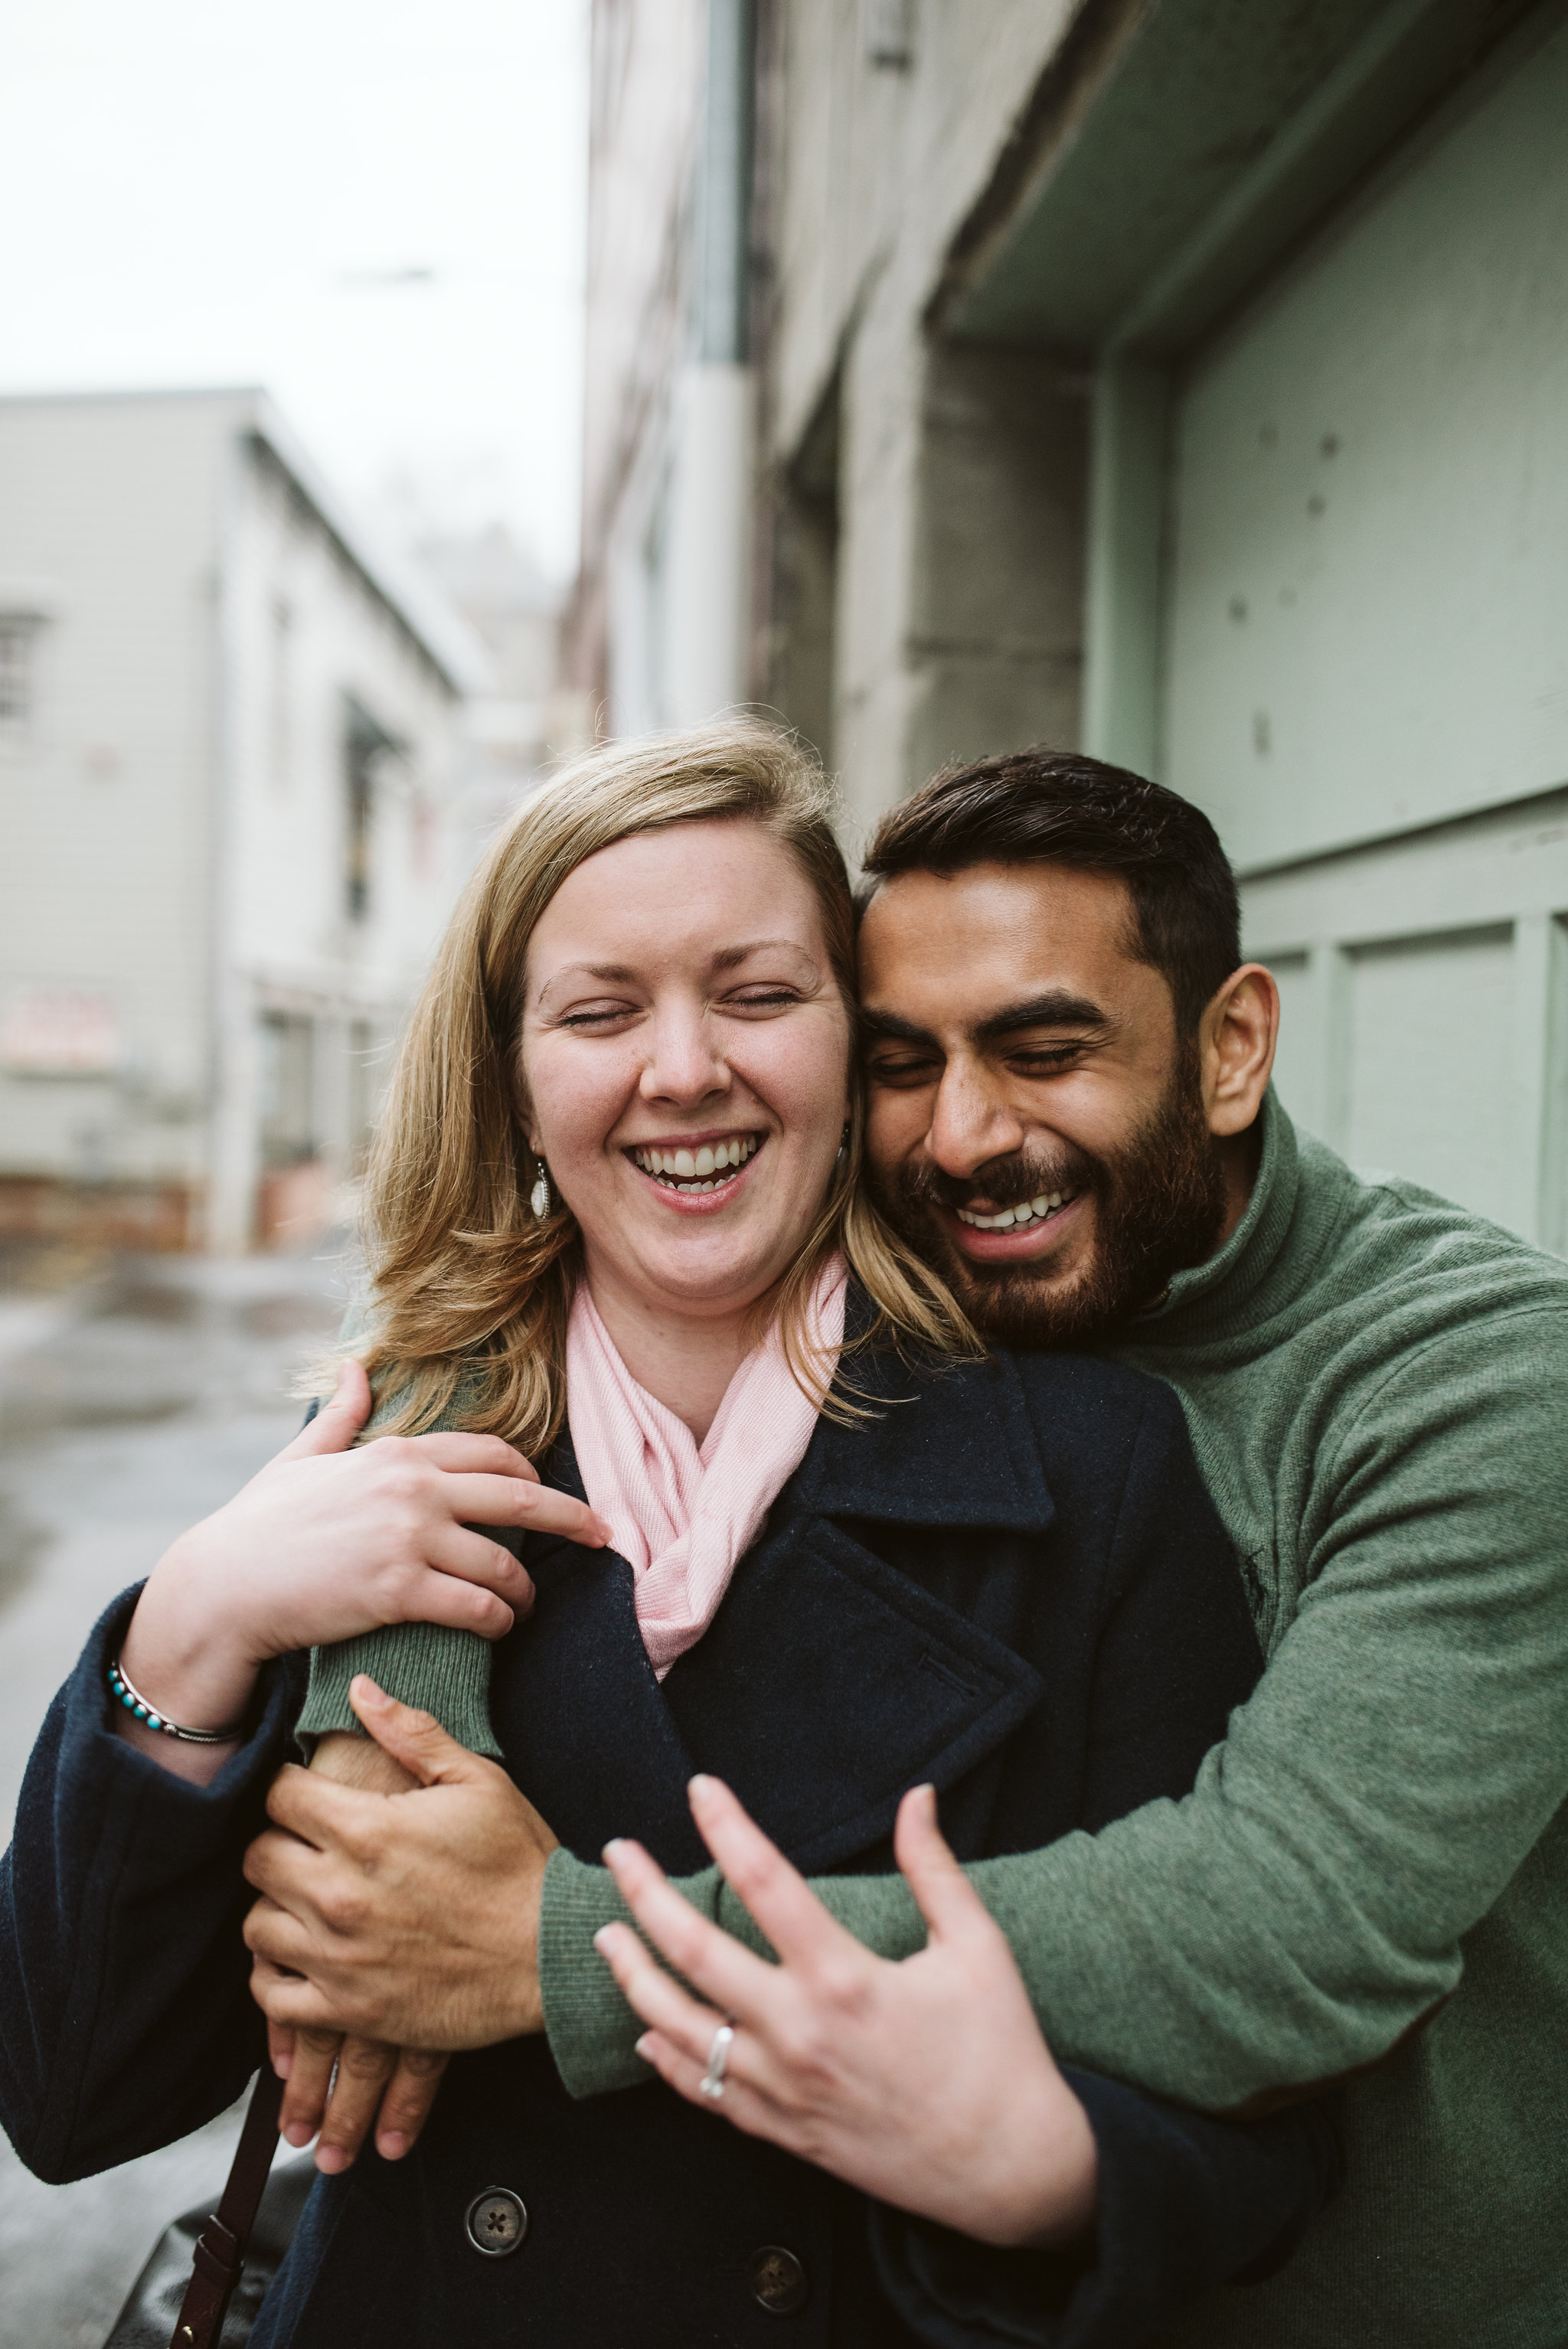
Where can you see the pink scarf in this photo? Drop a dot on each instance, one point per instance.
(683, 1516)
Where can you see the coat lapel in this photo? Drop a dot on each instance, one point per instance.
(830, 1681)
(583, 1723)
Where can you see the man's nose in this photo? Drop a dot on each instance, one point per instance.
(971, 1123)
(685, 1064)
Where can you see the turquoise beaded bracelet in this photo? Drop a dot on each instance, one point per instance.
(136, 1704)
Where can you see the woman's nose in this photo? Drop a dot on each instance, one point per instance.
(685, 1064)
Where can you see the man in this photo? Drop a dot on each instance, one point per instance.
(1068, 1067)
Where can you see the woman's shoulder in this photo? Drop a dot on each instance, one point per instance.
(1074, 1400)
(1071, 1394)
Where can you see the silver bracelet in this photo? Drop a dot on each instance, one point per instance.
(137, 1705)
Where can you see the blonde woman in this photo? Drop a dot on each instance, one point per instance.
(753, 1503)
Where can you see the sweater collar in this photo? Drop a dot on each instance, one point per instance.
(1270, 1257)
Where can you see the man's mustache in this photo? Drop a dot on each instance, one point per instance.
(1001, 1181)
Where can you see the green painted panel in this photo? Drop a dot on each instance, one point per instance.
(1421, 1010)
(1367, 626)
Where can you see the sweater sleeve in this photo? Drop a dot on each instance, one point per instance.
(1304, 1907)
(126, 2017)
(444, 1671)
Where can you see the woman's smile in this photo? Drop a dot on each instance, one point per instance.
(689, 1167)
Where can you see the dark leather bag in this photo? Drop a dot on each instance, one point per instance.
(209, 2272)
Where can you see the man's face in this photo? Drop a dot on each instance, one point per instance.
(1036, 1126)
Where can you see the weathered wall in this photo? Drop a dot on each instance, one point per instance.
(875, 167)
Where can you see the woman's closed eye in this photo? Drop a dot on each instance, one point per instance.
(592, 1016)
(761, 1000)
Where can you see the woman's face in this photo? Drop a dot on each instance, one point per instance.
(685, 1057)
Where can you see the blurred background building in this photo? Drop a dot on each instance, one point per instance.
(1185, 381)
(236, 814)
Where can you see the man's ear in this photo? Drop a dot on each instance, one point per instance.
(1236, 1041)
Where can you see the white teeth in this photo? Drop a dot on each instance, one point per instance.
(688, 1170)
(1010, 1218)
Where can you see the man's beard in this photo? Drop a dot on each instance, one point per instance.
(1158, 1205)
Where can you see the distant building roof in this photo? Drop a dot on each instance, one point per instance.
(414, 599)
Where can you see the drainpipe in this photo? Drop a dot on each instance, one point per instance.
(710, 623)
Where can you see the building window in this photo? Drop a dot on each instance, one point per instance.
(367, 748)
(288, 1089)
(17, 632)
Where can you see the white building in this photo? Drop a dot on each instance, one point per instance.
(229, 741)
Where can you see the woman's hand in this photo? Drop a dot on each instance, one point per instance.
(327, 1542)
(414, 1922)
(926, 2083)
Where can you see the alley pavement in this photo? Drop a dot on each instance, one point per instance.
(136, 1395)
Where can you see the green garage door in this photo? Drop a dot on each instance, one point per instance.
(1365, 670)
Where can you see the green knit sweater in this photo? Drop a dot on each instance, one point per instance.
(1377, 1388)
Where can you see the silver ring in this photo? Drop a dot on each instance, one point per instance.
(712, 2081)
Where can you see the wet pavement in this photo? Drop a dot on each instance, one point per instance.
(136, 1395)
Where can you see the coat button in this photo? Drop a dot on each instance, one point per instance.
(779, 2280)
(497, 2223)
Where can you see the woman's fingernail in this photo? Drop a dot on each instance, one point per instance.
(644, 2047)
(282, 2065)
(602, 1941)
(393, 2146)
(614, 1849)
(364, 1690)
(699, 1787)
(331, 2158)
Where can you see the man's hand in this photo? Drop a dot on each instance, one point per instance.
(413, 1922)
(926, 2083)
(337, 2086)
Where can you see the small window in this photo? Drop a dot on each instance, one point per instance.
(288, 1089)
(16, 635)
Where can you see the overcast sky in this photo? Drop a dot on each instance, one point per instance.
(372, 207)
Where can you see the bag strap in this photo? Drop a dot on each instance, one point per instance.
(221, 2248)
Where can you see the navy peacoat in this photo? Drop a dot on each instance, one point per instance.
(1009, 1582)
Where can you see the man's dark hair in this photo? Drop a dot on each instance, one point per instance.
(1058, 807)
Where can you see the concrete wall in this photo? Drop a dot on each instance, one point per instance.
(938, 648)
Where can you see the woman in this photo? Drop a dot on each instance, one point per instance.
(833, 1551)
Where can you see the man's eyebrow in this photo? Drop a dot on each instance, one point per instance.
(886, 1026)
(1054, 1008)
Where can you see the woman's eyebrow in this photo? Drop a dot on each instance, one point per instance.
(728, 958)
(616, 972)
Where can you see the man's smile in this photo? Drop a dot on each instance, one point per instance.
(1034, 1227)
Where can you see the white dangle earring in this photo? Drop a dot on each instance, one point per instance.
(539, 1197)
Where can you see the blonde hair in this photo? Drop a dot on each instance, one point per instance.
(470, 1290)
